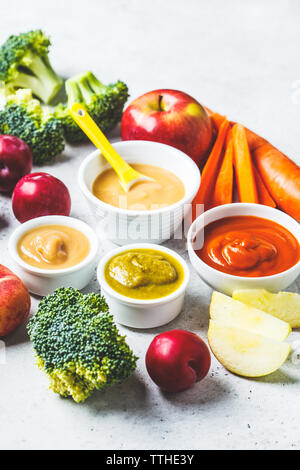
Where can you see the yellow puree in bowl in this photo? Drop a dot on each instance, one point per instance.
(144, 274)
(53, 247)
(165, 189)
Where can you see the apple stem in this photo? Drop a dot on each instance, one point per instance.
(160, 103)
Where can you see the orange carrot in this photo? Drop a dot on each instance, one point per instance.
(280, 175)
(216, 118)
(263, 194)
(243, 166)
(224, 183)
(209, 174)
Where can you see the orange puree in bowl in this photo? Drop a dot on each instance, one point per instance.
(165, 189)
(53, 247)
(249, 246)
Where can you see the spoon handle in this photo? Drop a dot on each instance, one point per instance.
(90, 128)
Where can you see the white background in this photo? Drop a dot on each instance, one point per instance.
(240, 58)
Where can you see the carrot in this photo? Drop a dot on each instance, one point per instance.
(211, 167)
(254, 140)
(243, 166)
(224, 183)
(280, 175)
(216, 118)
(263, 194)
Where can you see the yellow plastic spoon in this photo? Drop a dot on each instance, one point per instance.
(127, 175)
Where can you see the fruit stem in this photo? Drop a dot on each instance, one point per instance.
(160, 98)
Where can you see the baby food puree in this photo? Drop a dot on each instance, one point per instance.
(165, 189)
(249, 246)
(144, 274)
(53, 247)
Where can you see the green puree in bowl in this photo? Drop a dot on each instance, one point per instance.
(144, 274)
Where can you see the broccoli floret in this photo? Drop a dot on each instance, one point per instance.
(104, 103)
(78, 345)
(24, 63)
(24, 117)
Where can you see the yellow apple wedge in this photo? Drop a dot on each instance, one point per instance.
(284, 305)
(246, 353)
(234, 313)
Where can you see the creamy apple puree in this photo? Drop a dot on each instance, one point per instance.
(165, 189)
(53, 247)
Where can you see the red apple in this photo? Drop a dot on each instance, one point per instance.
(171, 117)
(40, 194)
(15, 161)
(176, 359)
(14, 301)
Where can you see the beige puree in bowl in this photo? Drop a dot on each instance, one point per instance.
(53, 247)
(165, 189)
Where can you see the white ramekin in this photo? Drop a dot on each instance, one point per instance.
(126, 226)
(227, 283)
(43, 281)
(138, 313)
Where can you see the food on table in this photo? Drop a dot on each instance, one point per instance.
(244, 352)
(170, 117)
(15, 161)
(104, 103)
(78, 345)
(208, 177)
(243, 165)
(249, 246)
(262, 192)
(231, 312)
(24, 63)
(280, 174)
(15, 301)
(144, 273)
(284, 305)
(165, 189)
(176, 359)
(224, 183)
(24, 117)
(216, 118)
(39, 194)
(53, 247)
(276, 179)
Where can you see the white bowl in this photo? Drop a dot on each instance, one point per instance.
(138, 313)
(227, 283)
(43, 281)
(127, 226)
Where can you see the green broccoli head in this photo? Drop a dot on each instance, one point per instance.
(24, 63)
(104, 103)
(24, 117)
(78, 345)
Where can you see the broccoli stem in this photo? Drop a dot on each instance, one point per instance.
(44, 82)
(82, 87)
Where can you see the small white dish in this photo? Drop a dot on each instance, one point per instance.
(227, 283)
(43, 281)
(138, 313)
(124, 226)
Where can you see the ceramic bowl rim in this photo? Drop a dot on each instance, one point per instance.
(242, 206)
(141, 302)
(53, 220)
(189, 192)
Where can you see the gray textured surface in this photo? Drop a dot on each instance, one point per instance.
(237, 57)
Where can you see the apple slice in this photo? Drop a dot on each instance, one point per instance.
(234, 313)
(284, 305)
(244, 352)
